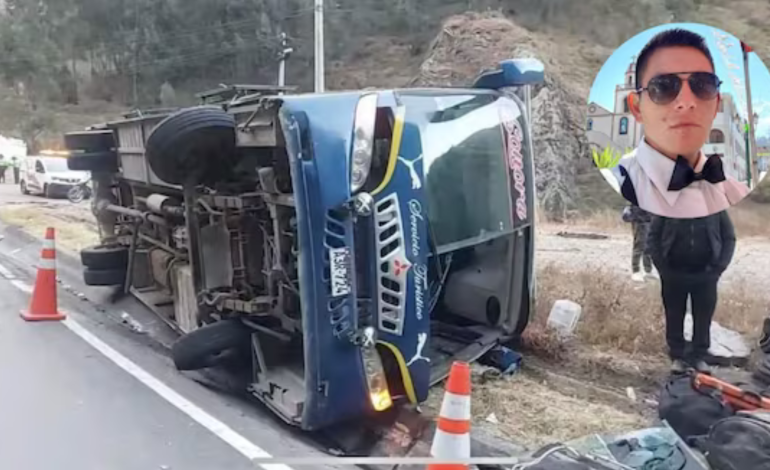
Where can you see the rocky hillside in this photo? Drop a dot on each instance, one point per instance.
(469, 43)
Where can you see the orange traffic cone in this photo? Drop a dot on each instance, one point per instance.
(44, 306)
(453, 432)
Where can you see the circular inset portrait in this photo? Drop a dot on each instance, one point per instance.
(679, 120)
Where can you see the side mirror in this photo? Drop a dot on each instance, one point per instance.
(512, 73)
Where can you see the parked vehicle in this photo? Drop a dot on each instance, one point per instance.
(341, 248)
(49, 176)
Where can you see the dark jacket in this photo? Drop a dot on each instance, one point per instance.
(665, 232)
(636, 214)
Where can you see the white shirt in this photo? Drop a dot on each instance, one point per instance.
(650, 172)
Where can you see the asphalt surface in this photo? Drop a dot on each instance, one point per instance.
(66, 404)
(10, 193)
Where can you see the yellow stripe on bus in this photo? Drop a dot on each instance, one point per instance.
(398, 131)
(405, 375)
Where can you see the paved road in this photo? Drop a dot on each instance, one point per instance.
(10, 193)
(65, 403)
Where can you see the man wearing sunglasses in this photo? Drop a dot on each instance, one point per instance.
(691, 239)
(676, 101)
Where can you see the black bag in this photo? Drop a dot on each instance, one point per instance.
(688, 411)
(764, 340)
(762, 371)
(558, 457)
(741, 442)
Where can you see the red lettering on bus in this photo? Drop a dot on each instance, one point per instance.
(513, 140)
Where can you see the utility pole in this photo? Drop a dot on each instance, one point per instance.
(136, 57)
(282, 56)
(319, 46)
(752, 148)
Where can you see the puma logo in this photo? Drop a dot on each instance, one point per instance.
(422, 338)
(416, 182)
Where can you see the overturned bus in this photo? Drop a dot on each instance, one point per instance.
(340, 248)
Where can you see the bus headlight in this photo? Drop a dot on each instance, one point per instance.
(377, 383)
(363, 141)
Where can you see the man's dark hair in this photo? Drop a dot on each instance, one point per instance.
(670, 38)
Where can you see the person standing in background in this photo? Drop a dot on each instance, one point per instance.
(3, 167)
(16, 163)
(640, 225)
(691, 255)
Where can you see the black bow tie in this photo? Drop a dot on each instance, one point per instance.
(684, 175)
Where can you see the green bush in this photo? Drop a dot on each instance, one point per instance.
(608, 158)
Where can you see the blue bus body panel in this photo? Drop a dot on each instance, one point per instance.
(403, 260)
(318, 131)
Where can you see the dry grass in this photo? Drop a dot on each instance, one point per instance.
(741, 309)
(616, 314)
(621, 316)
(750, 218)
(74, 230)
(534, 414)
(605, 219)
(545, 341)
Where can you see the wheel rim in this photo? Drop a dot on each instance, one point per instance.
(76, 194)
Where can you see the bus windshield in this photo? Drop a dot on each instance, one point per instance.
(466, 177)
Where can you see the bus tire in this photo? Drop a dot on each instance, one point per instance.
(210, 345)
(90, 141)
(105, 257)
(106, 161)
(193, 145)
(104, 277)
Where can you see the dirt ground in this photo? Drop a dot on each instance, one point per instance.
(74, 224)
(581, 269)
(532, 410)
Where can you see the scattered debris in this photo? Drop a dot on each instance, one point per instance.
(728, 347)
(129, 321)
(631, 394)
(505, 360)
(586, 236)
(492, 418)
(564, 316)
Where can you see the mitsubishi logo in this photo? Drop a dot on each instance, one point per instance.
(400, 266)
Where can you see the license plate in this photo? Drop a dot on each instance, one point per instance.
(340, 271)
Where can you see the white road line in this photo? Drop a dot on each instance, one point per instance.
(247, 448)
(6, 273)
(26, 288)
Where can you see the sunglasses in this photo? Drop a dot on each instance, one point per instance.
(663, 89)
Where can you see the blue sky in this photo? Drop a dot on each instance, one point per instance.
(613, 71)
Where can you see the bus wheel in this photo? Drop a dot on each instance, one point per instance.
(211, 345)
(104, 277)
(105, 257)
